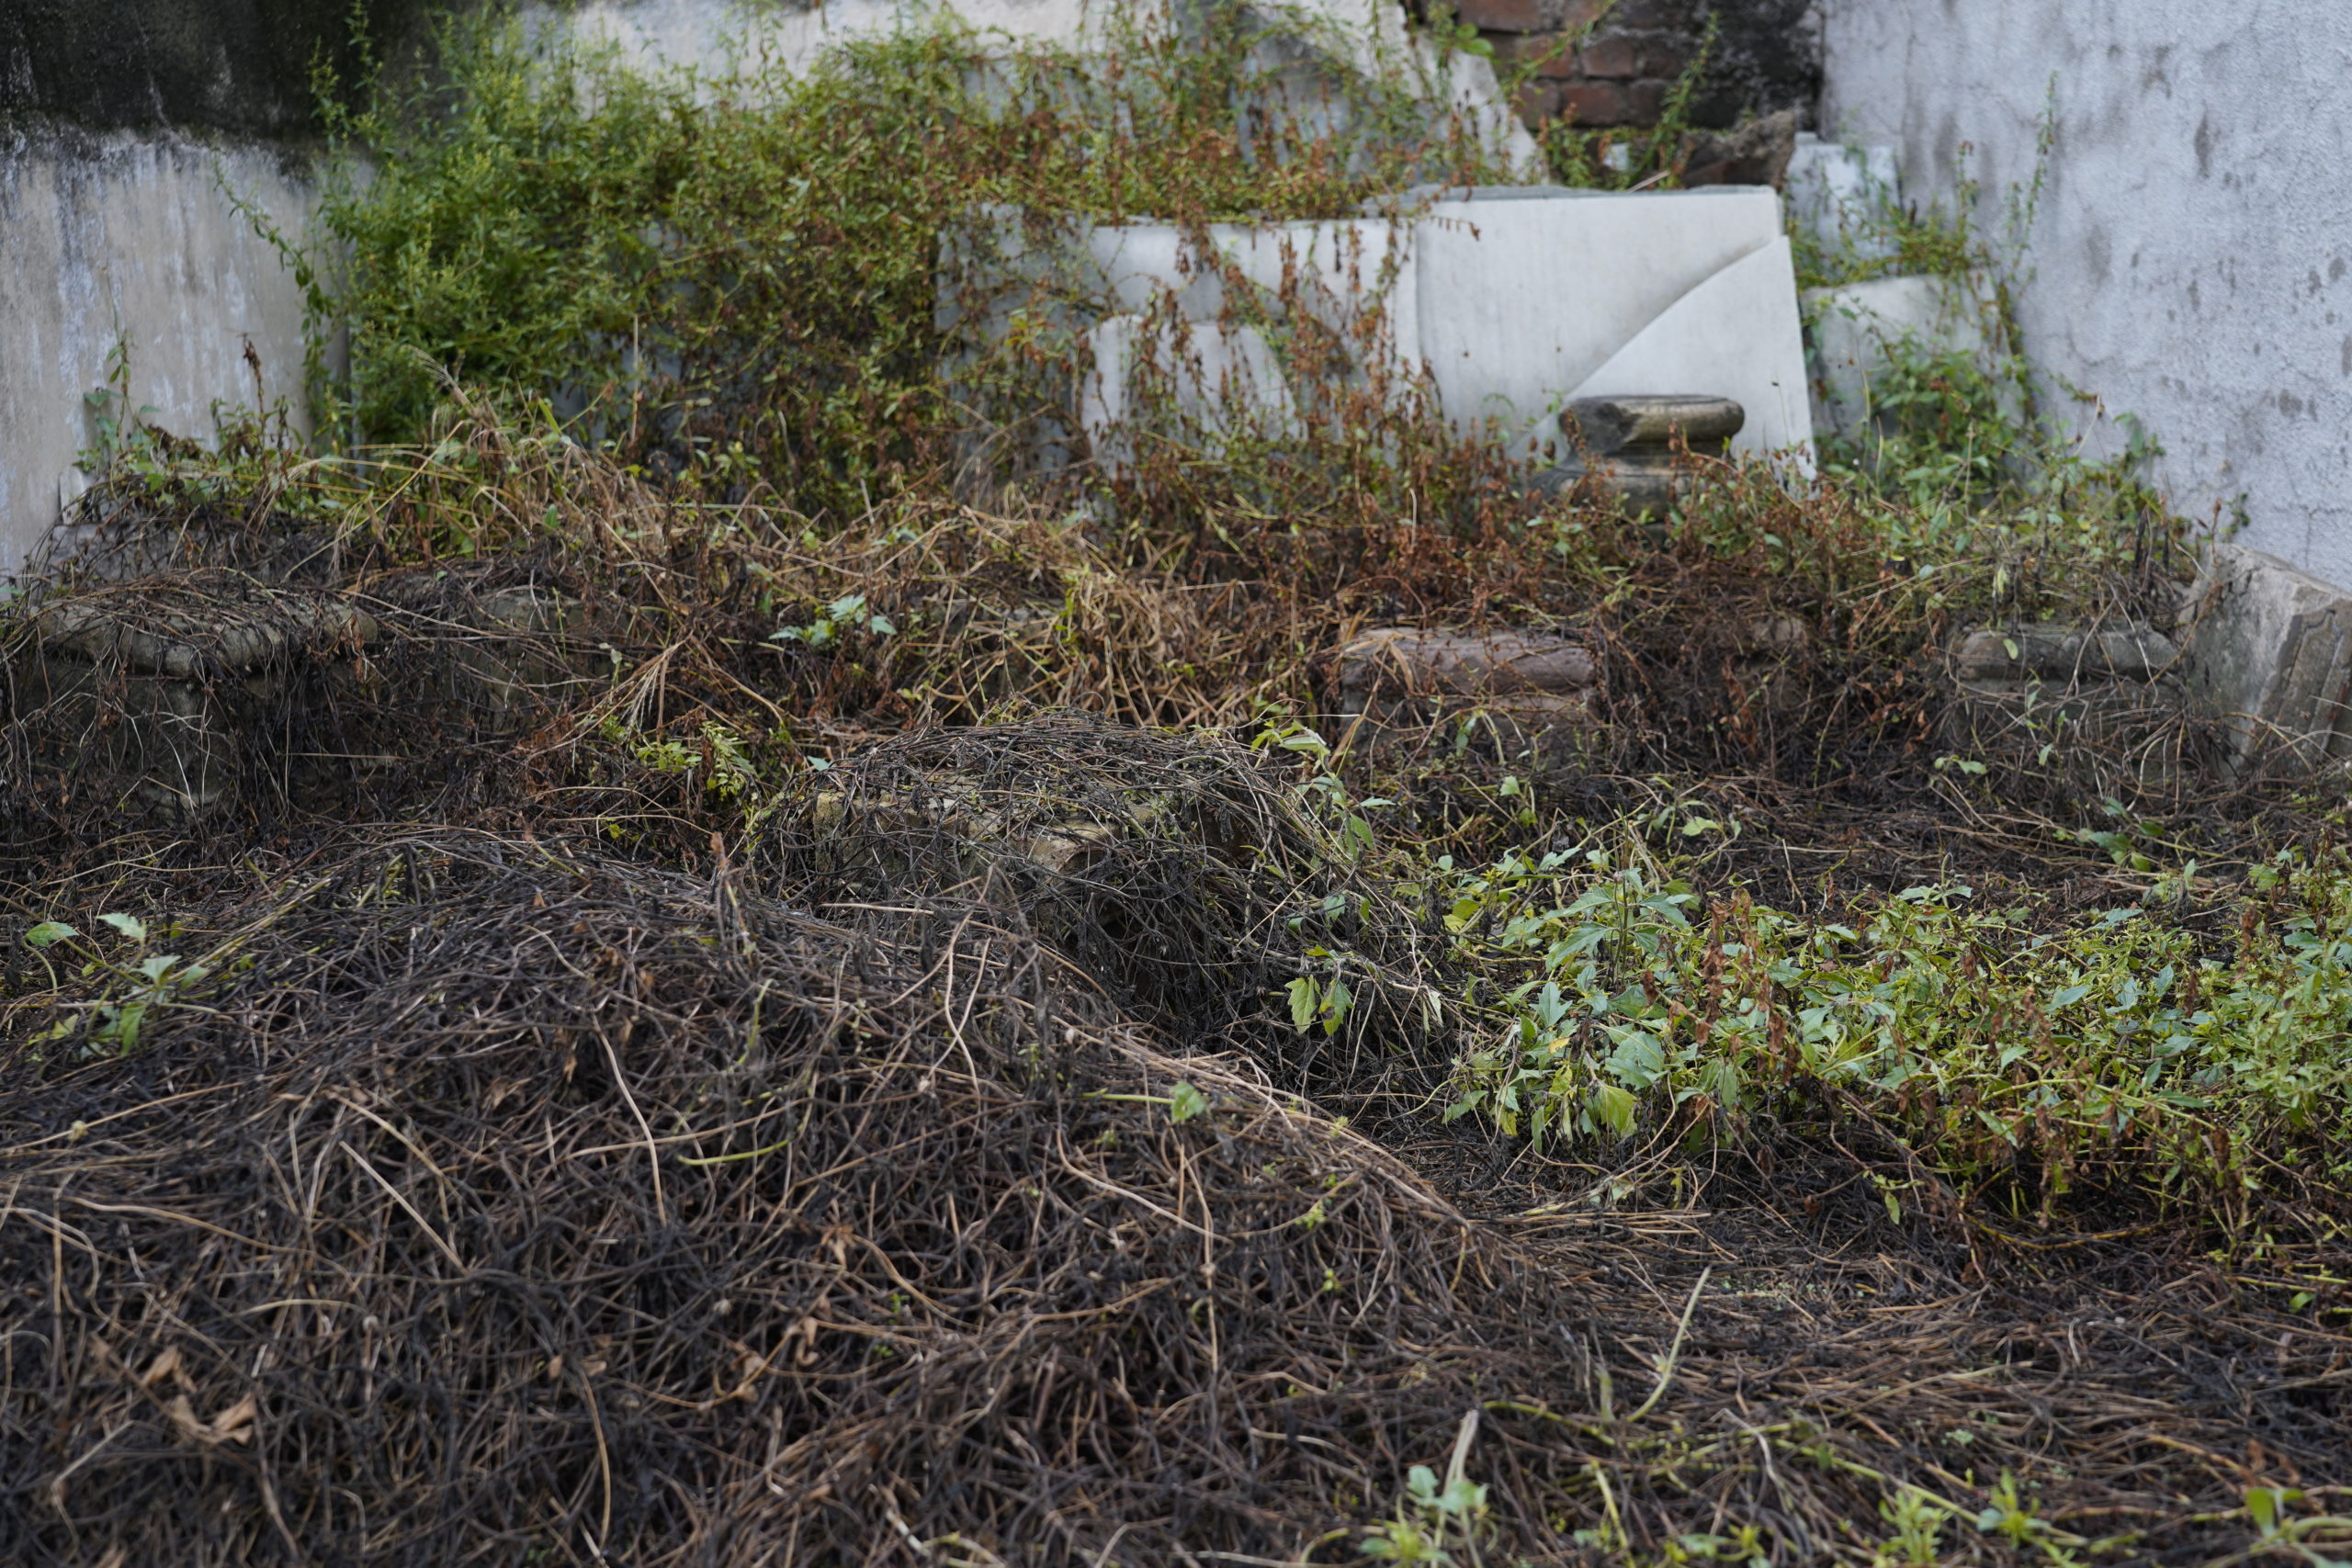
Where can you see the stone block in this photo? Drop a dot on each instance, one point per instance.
(191, 640)
(2099, 703)
(1171, 361)
(492, 661)
(1757, 154)
(1859, 328)
(2063, 653)
(1536, 690)
(139, 737)
(1839, 193)
(1394, 660)
(1610, 427)
(2268, 651)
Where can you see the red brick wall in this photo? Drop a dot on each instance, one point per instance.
(1633, 51)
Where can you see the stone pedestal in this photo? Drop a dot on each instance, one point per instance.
(1631, 451)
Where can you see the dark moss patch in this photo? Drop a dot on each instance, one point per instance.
(242, 66)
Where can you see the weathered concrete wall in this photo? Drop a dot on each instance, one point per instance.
(2191, 259)
(720, 37)
(125, 128)
(119, 237)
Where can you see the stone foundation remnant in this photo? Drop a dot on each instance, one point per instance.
(184, 690)
(1536, 689)
(2040, 696)
(2268, 653)
(2261, 659)
(158, 696)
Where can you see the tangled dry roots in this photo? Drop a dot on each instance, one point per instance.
(216, 693)
(1182, 874)
(498, 1203)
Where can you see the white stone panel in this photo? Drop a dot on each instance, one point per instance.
(1198, 383)
(1855, 327)
(1733, 336)
(1347, 274)
(1525, 296)
(1841, 195)
(1512, 301)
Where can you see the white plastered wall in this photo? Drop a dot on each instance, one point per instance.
(2191, 254)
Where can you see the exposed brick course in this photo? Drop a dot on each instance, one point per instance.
(1537, 101)
(1506, 15)
(1599, 64)
(1665, 57)
(1594, 103)
(1616, 59)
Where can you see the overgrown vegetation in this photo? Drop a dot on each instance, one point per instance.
(2014, 1061)
(732, 280)
(705, 987)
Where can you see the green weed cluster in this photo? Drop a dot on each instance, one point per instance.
(2012, 1061)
